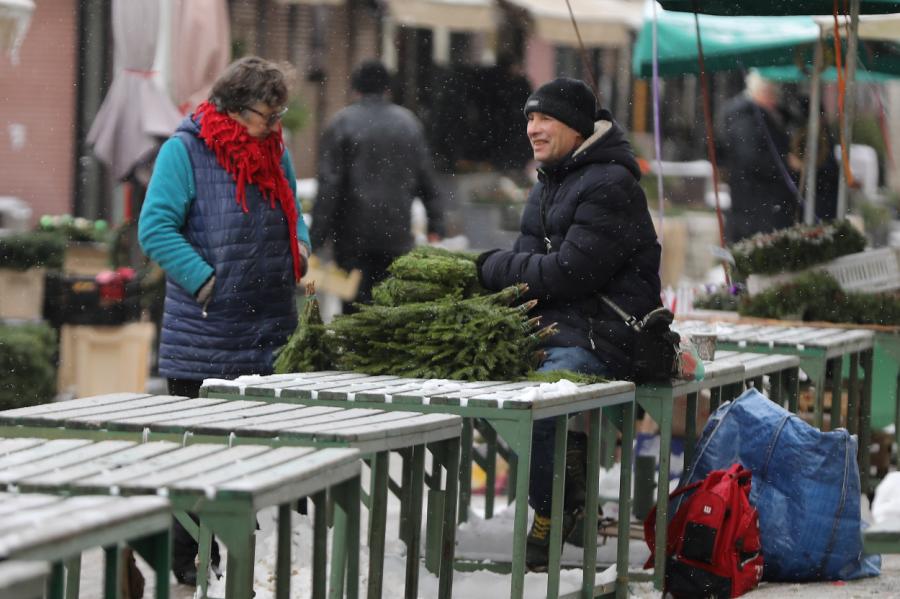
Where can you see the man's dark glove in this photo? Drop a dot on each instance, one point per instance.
(479, 264)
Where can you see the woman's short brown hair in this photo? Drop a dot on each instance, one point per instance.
(247, 81)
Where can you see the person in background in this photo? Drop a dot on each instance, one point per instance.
(221, 218)
(373, 161)
(827, 167)
(586, 231)
(762, 173)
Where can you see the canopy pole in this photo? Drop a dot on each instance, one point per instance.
(657, 134)
(812, 135)
(710, 141)
(849, 108)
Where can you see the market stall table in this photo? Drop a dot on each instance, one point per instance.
(821, 350)
(725, 378)
(23, 580)
(225, 486)
(239, 423)
(510, 409)
(47, 528)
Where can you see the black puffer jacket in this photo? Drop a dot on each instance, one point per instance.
(373, 161)
(754, 146)
(602, 241)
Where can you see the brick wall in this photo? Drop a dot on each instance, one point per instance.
(37, 111)
(292, 42)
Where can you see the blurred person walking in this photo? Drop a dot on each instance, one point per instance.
(221, 218)
(586, 232)
(762, 173)
(373, 161)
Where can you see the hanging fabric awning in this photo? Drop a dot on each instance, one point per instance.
(15, 16)
(456, 15)
(602, 23)
(136, 111)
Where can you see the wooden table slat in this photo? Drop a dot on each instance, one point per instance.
(255, 464)
(14, 445)
(73, 516)
(147, 468)
(97, 420)
(56, 447)
(314, 465)
(215, 426)
(60, 461)
(60, 406)
(89, 408)
(136, 454)
(223, 458)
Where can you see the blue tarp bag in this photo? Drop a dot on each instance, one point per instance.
(805, 488)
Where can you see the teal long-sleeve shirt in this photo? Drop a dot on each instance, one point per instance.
(165, 210)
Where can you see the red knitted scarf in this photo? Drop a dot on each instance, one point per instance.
(251, 161)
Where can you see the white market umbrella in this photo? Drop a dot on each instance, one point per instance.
(136, 110)
(201, 49)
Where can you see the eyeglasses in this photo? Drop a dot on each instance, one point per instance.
(273, 117)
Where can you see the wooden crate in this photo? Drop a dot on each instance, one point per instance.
(94, 360)
(86, 258)
(21, 293)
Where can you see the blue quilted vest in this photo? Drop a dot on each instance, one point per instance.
(252, 311)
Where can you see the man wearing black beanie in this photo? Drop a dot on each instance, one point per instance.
(586, 232)
(373, 161)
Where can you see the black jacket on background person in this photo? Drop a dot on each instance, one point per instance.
(754, 148)
(373, 161)
(602, 241)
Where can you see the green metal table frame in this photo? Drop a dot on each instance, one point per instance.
(142, 522)
(882, 538)
(169, 418)
(502, 406)
(819, 350)
(725, 378)
(23, 580)
(888, 344)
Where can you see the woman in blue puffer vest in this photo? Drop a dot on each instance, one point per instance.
(221, 218)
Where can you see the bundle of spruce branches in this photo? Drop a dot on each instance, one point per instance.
(480, 338)
(428, 273)
(431, 319)
(308, 349)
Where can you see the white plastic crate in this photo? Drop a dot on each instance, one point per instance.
(873, 271)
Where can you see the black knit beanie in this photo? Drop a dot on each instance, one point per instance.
(568, 100)
(370, 77)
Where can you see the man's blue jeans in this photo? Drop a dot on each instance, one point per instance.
(540, 487)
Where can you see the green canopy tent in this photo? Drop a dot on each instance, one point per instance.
(804, 7)
(733, 43)
(793, 74)
(776, 45)
(728, 43)
(738, 8)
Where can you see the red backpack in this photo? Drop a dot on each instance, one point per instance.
(713, 545)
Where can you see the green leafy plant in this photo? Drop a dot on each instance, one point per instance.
(75, 228)
(22, 251)
(818, 296)
(26, 359)
(795, 248)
